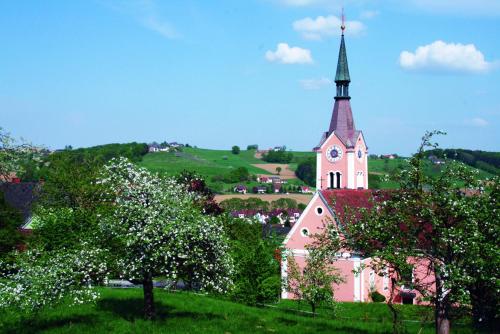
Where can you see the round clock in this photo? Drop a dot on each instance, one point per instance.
(334, 153)
(359, 153)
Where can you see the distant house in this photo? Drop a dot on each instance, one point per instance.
(435, 160)
(305, 190)
(278, 148)
(259, 190)
(175, 144)
(264, 179)
(154, 147)
(388, 156)
(240, 189)
(275, 179)
(290, 215)
(21, 196)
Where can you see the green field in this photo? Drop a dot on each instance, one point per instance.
(120, 311)
(210, 163)
(206, 162)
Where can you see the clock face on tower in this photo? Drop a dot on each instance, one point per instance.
(334, 153)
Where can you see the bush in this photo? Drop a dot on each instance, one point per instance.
(269, 290)
(257, 271)
(252, 147)
(374, 181)
(377, 297)
(235, 150)
(278, 157)
(236, 175)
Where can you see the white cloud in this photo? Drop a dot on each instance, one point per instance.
(315, 84)
(369, 14)
(321, 27)
(446, 57)
(289, 55)
(478, 122)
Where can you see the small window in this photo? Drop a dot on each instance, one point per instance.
(304, 232)
(319, 211)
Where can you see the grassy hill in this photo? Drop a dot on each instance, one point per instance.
(210, 163)
(120, 311)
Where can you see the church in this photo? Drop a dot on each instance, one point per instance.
(341, 180)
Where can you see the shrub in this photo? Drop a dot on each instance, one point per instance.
(278, 157)
(377, 297)
(252, 147)
(306, 171)
(269, 289)
(257, 272)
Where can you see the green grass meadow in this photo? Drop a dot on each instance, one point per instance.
(209, 163)
(120, 311)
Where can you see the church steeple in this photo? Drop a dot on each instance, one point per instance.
(342, 78)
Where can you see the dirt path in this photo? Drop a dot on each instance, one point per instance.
(300, 198)
(286, 173)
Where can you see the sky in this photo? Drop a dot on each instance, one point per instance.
(220, 73)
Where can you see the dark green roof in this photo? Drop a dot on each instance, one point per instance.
(342, 68)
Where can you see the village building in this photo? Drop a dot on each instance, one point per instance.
(342, 180)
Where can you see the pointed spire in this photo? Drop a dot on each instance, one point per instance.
(342, 77)
(342, 67)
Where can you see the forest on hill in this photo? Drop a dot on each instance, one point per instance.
(487, 161)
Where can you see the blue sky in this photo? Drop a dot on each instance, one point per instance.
(221, 73)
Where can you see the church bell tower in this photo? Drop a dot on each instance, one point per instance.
(342, 154)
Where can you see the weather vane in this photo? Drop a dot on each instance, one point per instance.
(343, 21)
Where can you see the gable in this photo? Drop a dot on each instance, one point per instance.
(332, 139)
(311, 221)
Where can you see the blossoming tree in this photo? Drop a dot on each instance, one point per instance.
(162, 232)
(431, 223)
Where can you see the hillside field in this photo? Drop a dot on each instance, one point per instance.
(209, 163)
(120, 311)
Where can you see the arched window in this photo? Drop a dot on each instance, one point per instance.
(339, 179)
(331, 179)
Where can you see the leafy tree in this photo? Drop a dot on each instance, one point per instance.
(257, 271)
(40, 279)
(485, 266)
(252, 147)
(306, 171)
(280, 156)
(431, 223)
(314, 283)
(162, 232)
(278, 170)
(235, 150)
(14, 155)
(284, 203)
(252, 203)
(205, 197)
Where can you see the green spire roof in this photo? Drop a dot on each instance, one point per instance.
(342, 68)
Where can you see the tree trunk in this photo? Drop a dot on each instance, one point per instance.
(442, 307)
(396, 325)
(313, 308)
(149, 306)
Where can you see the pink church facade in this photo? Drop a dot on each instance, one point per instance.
(342, 180)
